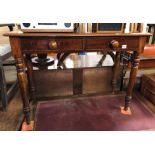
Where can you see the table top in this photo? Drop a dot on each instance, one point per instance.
(72, 34)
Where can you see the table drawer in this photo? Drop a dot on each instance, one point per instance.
(104, 44)
(51, 44)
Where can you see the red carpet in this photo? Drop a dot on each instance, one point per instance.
(97, 113)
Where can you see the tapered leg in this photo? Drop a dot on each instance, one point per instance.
(115, 71)
(23, 87)
(132, 78)
(30, 78)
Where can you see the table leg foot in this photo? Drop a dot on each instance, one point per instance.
(126, 108)
(27, 127)
(125, 112)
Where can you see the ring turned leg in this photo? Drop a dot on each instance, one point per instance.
(132, 79)
(23, 87)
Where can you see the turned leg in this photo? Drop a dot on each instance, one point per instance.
(132, 78)
(23, 87)
(115, 71)
(30, 78)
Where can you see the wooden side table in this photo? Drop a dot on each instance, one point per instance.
(37, 43)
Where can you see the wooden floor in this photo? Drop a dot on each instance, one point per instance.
(11, 119)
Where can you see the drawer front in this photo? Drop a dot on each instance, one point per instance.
(71, 44)
(51, 44)
(105, 43)
(79, 44)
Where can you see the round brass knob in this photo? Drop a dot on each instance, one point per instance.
(114, 44)
(53, 45)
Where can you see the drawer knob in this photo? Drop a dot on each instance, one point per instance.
(53, 45)
(114, 44)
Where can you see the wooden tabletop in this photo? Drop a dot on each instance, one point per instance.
(72, 34)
